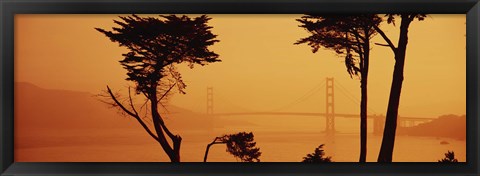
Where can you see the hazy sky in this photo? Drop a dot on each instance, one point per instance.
(261, 69)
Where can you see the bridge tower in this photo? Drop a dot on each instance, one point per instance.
(209, 100)
(330, 105)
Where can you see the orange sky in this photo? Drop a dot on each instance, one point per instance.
(261, 69)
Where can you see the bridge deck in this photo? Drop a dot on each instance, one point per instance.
(313, 114)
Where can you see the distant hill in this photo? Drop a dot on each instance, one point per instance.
(450, 126)
(43, 112)
(38, 108)
(72, 126)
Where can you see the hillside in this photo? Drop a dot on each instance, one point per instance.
(63, 109)
(62, 117)
(450, 126)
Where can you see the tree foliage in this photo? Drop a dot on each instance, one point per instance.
(449, 158)
(240, 145)
(318, 156)
(155, 46)
(347, 35)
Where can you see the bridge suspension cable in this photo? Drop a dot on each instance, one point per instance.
(307, 95)
(350, 96)
(218, 96)
(303, 98)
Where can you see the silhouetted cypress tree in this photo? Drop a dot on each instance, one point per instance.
(349, 36)
(388, 141)
(449, 158)
(240, 145)
(318, 156)
(155, 46)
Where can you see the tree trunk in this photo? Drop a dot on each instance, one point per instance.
(363, 104)
(173, 153)
(206, 152)
(208, 147)
(388, 141)
(176, 140)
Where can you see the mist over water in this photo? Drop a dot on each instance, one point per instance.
(287, 142)
(47, 131)
(280, 139)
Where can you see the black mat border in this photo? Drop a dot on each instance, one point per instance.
(8, 8)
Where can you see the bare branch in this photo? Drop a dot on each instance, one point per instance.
(385, 37)
(143, 105)
(164, 107)
(165, 94)
(118, 102)
(131, 102)
(381, 44)
(131, 114)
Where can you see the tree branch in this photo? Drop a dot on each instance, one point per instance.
(411, 17)
(355, 32)
(209, 145)
(359, 45)
(165, 94)
(131, 114)
(144, 105)
(381, 44)
(169, 133)
(131, 102)
(385, 37)
(162, 123)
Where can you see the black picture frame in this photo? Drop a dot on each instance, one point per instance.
(8, 9)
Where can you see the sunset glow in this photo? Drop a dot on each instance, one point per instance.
(62, 62)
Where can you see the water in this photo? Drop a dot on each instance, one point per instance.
(285, 146)
(276, 146)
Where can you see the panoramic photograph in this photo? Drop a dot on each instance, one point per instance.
(310, 88)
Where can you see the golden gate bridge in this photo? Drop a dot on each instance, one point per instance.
(329, 114)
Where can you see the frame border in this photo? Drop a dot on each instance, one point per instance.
(8, 9)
